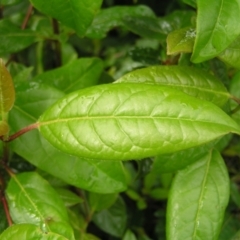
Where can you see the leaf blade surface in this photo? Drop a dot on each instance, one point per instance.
(127, 120)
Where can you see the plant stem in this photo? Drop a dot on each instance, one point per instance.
(57, 46)
(27, 17)
(4, 202)
(21, 132)
(237, 100)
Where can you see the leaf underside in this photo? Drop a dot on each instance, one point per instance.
(131, 121)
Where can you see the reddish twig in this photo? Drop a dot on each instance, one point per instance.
(27, 17)
(20, 132)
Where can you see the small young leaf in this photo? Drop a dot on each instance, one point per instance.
(198, 198)
(77, 15)
(216, 27)
(7, 92)
(26, 194)
(181, 40)
(140, 120)
(190, 80)
(29, 232)
(4, 128)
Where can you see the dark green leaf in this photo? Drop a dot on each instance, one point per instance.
(77, 15)
(141, 120)
(78, 74)
(216, 27)
(32, 200)
(144, 26)
(101, 176)
(112, 17)
(13, 39)
(181, 40)
(198, 198)
(176, 20)
(175, 161)
(29, 232)
(129, 235)
(191, 3)
(231, 55)
(99, 202)
(112, 220)
(193, 81)
(9, 2)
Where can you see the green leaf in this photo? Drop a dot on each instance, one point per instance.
(216, 27)
(175, 161)
(231, 55)
(26, 194)
(112, 17)
(181, 40)
(190, 80)
(98, 202)
(9, 2)
(29, 232)
(78, 74)
(112, 220)
(77, 15)
(141, 120)
(68, 197)
(129, 235)
(198, 198)
(100, 176)
(144, 26)
(192, 3)
(4, 128)
(13, 39)
(7, 92)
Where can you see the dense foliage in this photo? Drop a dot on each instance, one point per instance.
(119, 119)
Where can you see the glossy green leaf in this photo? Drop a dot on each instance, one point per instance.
(198, 198)
(112, 17)
(101, 176)
(78, 74)
(140, 120)
(112, 220)
(181, 40)
(231, 55)
(193, 81)
(68, 197)
(13, 39)
(29, 232)
(216, 27)
(7, 92)
(26, 194)
(75, 14)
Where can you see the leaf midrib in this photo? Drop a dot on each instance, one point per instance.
(62, 120)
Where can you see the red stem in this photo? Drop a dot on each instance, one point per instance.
(20, 132)
(27, 17)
